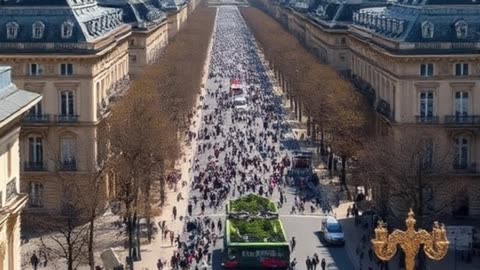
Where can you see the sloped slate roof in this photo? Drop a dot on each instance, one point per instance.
(12, 99)
(336, 13)
(438, 2)
(137, 12)
(443, 18)
(89, 20)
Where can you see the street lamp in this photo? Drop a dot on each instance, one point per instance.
(435, 244)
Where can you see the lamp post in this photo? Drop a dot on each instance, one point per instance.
(435, 244)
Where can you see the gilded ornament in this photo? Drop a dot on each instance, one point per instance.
(435, 244)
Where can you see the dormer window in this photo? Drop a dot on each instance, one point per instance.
(427, 29)
(37, 30)
(12, 30)
(461, 28)
(67, 29)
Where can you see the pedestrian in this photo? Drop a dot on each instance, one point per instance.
(219, 225)
(159, 264)
(34, 261)
(315, 261)
(293, 243)
(190, 209)
(172, 237)
(174, 212)
(308, 263)
(323, 264)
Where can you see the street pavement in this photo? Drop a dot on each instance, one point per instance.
(236, 61)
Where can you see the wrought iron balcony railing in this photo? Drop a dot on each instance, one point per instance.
(30, 166)
(462, 119)
(423, 119)
(67, 118)
(37, 118)
(68, 165)
(465, 168)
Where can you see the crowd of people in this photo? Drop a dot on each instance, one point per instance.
(239, 151)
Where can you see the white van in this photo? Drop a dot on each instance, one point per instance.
(332, 232)
(240, 102)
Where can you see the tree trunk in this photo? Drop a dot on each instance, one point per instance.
(309, 126)
(91, 233)
(330, 163)
(343, 178)
(299, 111)
(130, 242)
(322, 141)
(70, 251)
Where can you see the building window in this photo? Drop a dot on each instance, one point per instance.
(37, 30)
(35, 151)
(67, 29)
(12, 30)
(36, 70)
(461, 28)
(67, 153)
(67, 103)
(462, 146)
(427, 29)
(35, 192)
(461, 104)
(426, 106)
(66, 69)
(426, 70)
(461, 69)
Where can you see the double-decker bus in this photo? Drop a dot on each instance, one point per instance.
(254, 235)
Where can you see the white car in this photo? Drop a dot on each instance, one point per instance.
(332, 232)
(240, 103)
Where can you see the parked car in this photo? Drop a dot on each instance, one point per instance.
(332, 232)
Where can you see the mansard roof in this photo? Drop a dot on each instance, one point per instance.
(437, 2)
(88, 23)
(437, 24)
(13, 101)
(140, 13)
(170, 5)
(336, 13)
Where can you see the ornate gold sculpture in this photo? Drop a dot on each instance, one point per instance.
(435, 244)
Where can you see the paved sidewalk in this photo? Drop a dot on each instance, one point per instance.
(162, 249)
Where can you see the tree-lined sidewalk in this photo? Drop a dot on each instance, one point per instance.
(335, 112)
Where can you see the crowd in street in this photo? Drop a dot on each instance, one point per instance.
(239, 151)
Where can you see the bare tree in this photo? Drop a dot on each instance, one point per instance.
(410, 170)
(66, 236)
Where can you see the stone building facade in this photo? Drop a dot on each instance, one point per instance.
(14, 104)
(321, 26)
(420, 61)
(74, 53)
(149, 31)
(416, 61)
(177, 13)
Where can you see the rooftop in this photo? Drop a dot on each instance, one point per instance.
(13, 101)
(55, 25)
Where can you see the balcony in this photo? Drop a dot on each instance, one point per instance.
(34, 166)
(462, 120)
(465, 168)
(66, 118)
(37, 118)
(422, 119)
(68, 165)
